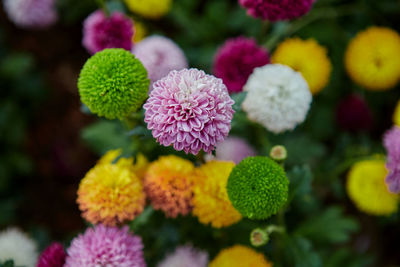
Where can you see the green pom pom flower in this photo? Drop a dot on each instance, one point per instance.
(113, 83)
(258, 187)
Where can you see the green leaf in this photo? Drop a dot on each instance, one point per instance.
(348, 258)
(300, 181)
(330, 226)
(299, 253)
(7, 263)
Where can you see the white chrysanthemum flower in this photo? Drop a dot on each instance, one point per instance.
(277, 97)
(17, 246)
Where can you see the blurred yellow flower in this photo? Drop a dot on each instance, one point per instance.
(373, 58)
(211, 203)
(152, 9)
(140, 32)
(240, 256)
(168, 184)
(111, 193)
(307, 57)
(367, 189)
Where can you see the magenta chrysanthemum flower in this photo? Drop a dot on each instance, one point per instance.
(234, 149)
(189, 110)
(391, 141)
(274, 10)
(185, 256)
(53, 256)
(106, 246)
(101, 32)
(353, 114)
(31, 13)
(159, 56)
(236, 60)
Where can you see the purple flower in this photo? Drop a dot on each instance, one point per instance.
(101, 32)
(353, 114)
(236, 60)
(31, 13)
(189, 110)
(53, 256)
(106, 246)
(185, 256)
(234, 149)
(159, 56)
(391, 142)
(274, 10)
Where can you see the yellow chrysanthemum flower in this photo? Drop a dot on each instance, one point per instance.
(168, 184)
(373, 58)
(140, 31)
(307, 57)
(111, 193)
(152, 9)
(367, 189)
(396, 114)
(211, 203)
(240, 256)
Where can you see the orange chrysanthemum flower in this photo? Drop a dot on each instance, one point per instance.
(111, 193)
(168, 184)
(211, 203)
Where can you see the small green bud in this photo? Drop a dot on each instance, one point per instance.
(278, 153)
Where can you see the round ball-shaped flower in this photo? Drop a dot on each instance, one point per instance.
(151, 9)
(274, 10)
(185, 256)
(106, 246)
(33, 14)
(234, 149)
(189, 110)
(211, 203)
(113, 83)
(111, 193)
(373, 58)
(391, 142)
(168, 184)
(295, 52)
(240, 256)
(278, 97)
(367, 189)
(101, 31)
(235, 61)
(258, 187)
(353, 114)
(53, 256)
(159, 56)
(17, 246)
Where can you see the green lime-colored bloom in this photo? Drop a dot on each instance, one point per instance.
(258, 187)
(113, 83)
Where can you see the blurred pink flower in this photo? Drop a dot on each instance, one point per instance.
(391, 141)
(53, 256)
(185, 256)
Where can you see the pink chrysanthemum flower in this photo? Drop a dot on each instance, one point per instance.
(391, 141)
(234, 149)
(159, 56)
(31, 13)
(236, 60)
(274, 10)
(189, 110)
(53, 256)
(106, 246)
(185, 256)
(101, 32)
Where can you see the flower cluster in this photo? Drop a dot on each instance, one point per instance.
(236, 60)
(277, 97)
(274, 10)
(111, 193)
(296, 52)
(189, 110)
(240, 256)
(101, 31)
(373, 58)
(210, 202)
